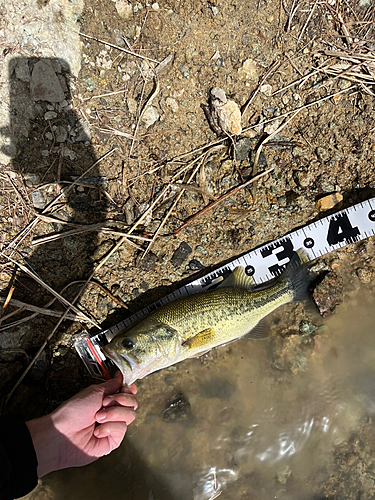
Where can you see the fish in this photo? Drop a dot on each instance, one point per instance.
(193, 325)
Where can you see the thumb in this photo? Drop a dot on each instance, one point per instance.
(113, 385)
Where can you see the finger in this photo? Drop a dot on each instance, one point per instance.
(129, 389)
(113, 385)
(116, 414)
(120, 399)
(116, 430)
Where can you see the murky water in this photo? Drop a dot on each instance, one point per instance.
(251, 430)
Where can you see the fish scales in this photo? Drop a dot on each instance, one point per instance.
(195, 324)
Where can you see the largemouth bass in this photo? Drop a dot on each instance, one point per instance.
(191, 326)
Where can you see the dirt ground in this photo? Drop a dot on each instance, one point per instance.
(303, 76)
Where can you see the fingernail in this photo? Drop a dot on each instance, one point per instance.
(96, 432)
(117, 374)
(101, 415)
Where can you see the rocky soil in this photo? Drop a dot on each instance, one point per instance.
(110, 127)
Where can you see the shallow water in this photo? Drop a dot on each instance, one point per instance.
(252, 430)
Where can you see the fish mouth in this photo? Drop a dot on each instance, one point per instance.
(125, 363)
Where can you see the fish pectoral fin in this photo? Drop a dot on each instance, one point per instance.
(200, 339)
(238, 278)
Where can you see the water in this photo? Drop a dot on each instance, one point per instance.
(251, 431)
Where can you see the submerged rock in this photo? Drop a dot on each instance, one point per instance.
(177, 409)
(328, 293)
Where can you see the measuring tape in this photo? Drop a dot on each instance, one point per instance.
(263, 264)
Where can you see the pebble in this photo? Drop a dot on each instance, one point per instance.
(50, 115)
(48, 135)
(148, 262)
(124, 9)
(83, 133)
(150, 116)
(61, 134)
(227, 112)
(249, 70)
(132, 105)
(172, 103)
(328, 202)
(266, 89)
(181, 254)
(364, 275)
(201, 250)
(328, 293)
(243, 148)
(271, 127)
(195, 265)
(38, 200)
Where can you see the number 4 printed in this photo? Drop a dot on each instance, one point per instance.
(340, 229)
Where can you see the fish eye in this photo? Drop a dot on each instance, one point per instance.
(127, 344)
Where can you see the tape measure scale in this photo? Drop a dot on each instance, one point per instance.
(335, 231)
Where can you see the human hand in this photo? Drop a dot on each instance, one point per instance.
(89, 425)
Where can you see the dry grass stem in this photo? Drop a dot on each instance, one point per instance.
(40, 310)
(225, 196)
(49, 289)
(120, 48)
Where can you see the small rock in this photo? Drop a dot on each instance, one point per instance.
(155, 6)
(44, 84)
(124, 9)
(214, 10)
(177, 409)
(38, 200)
(61, 134)
(328, 293)
(249, 70)
(225, 112)
(216, 56)
(201, 250)
(306, 328)
(132, 105)
(148, 262)
(68, 153)
(48, 135)
(172, 103)
(364, 4)
(50, 115)
(150, 116)
(322, 154)
(271, 127)
(83, 133)
(364, 275)
(266, 89)
(243, 148)
(182, 253)
(328, 202)
(195, 265)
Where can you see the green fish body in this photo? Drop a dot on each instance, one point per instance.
(193, 325)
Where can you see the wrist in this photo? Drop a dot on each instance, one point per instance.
(43, 435)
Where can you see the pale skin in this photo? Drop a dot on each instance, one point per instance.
(89, 425)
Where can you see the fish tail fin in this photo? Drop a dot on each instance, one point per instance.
(298, 276)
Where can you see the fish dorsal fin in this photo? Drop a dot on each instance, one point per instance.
(238, 278)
